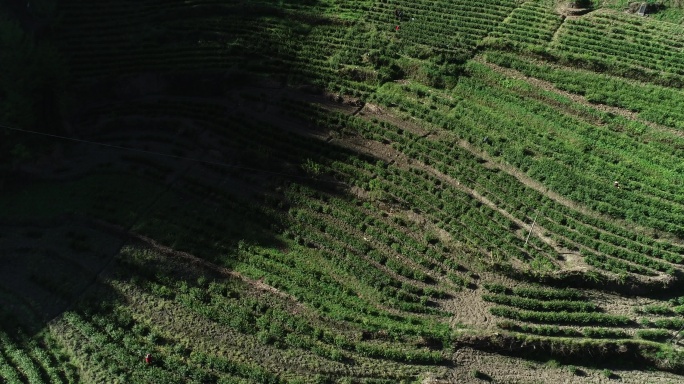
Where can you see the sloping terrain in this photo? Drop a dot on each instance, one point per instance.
(328, 191)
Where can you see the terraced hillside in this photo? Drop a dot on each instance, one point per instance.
(323, 191)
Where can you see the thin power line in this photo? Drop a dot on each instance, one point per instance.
(163, 154)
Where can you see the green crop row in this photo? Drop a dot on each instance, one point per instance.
(414, 356)
(589, 318)
(605, 333)
(622, 40)
(541, 305)
(541, 330)
(654, 103)
(653, 334)
(668, 323)
(616, 266)
(656, 309)
(556, 331)
(537, 293)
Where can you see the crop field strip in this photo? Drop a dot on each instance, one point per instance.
(395, 139)
(395, 233)
(447, 27)
(100, 55)
(604, 137)
(532, 24)
(663, 225)
(520, 306)
(89, 331)
(582, 238)
(195, 298)
(628, 43)
(549, 306)
(253, 136)
(655, 104)
(30, 359)
(670, 195)
(209, 49)
(320, 343)
(117, 348)
(463, 200)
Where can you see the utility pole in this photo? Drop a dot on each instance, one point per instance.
(530, 232)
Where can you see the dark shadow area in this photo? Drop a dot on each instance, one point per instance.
(203, 169)
(479, 375)
(191, 186)
(201, 178)
(47, 265)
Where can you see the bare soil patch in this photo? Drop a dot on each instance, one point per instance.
(470, 310)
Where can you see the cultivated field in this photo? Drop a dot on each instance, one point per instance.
(324, 191)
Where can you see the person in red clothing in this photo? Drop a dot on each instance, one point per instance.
(148, 359)
(396, 28)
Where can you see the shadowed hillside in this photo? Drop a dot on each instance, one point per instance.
(340, 191)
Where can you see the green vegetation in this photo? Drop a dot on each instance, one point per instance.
(654, 334)
(654, 103)
(337, 191)
(619, 49)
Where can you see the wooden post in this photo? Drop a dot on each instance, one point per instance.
(530, 232)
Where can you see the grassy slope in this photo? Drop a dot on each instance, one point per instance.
(318, 241)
